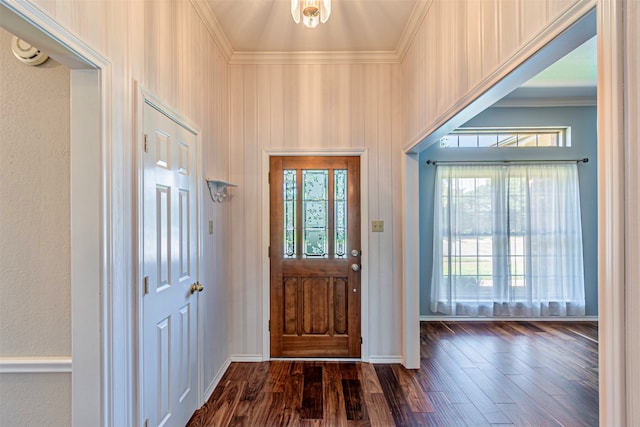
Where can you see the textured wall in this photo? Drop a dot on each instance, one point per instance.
(30, 400)
(297, 107)
(35, 291)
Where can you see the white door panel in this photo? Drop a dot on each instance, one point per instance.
(170, 263)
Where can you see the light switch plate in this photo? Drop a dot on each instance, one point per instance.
(377, 226)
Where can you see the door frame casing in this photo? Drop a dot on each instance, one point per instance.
(145, 97)
(364, 241)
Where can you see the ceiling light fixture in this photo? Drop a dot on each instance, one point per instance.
(313, 11)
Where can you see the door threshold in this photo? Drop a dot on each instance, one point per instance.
(315, 359)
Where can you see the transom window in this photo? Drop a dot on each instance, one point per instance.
(507, 137)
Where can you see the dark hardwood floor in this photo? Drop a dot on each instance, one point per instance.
(472, 374)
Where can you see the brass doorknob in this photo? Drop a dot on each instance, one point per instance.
(196, 287)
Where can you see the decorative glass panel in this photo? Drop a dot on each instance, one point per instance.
(290, 198)
(315, 206)
(340, 211)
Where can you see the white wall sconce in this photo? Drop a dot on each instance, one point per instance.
(218, 189)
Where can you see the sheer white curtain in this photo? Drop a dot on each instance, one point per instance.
(507, 241)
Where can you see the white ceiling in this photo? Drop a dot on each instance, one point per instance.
(255, 31)
(354, 26)
(572, 79)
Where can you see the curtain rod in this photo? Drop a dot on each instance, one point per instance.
(503, 162)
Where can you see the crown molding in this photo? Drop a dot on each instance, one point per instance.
(419, 12)
(347, 57)
(213, 26)
(546, 102)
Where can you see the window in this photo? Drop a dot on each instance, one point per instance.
(507, 241)
(318, 223)
(507, 137)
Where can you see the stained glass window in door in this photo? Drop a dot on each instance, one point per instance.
(340, 211)
(290, 201)
(315, 206)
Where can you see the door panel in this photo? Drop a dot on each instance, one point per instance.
(170, 267)
(315, 224)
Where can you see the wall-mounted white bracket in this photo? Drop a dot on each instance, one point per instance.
(218, 189)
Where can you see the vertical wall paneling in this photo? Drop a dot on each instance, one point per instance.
(632, 250)
(314, 107)
(447, 61)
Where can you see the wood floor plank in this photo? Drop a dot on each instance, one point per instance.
(256, 378)
(476, 396)
(292, 395)
(445, 414)
(378, 409)
(312, 394)
(334, 401)
(504, 373)
(493, 390)
(551, 404)
(400, 410)
(224, 408)
(522, 416)
(416, 397)
(277, 373)
(369, 379)
(354, 403)
(437, 377)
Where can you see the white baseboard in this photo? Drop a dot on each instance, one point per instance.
(509, 319)
(30, 365)
(216, 380)
(395, 360)
(246, 358)
(316, 359)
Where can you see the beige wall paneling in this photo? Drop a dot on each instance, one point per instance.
(446, 61)
(314, 107)
(632, 226)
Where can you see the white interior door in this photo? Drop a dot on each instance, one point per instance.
(170, 250)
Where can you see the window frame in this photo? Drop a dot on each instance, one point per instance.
(563, 136)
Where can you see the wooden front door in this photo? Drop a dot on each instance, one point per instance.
(315, 256)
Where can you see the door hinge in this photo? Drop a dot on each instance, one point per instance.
(269, 252)
(146, 143)
(146, 422)
(269, 325)
(146, 285)
(360, 340)
(269, 177)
